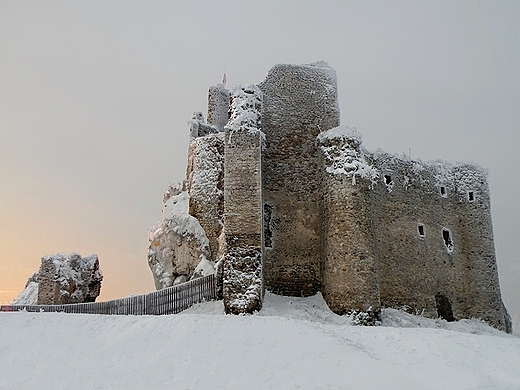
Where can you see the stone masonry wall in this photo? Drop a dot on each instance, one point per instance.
(205, 176)
(218, 106)
(299, 102)
(243, 227)
(482, 298)
(406, 234)
(434, 247)
(349, 278)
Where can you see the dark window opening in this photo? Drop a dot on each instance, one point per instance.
(443, 191)
(447, 240)
(471, 196)
(388, 180)
(444, 307)
(420, 229)
(268, 227)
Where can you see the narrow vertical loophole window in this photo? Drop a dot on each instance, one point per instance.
(268, 225)
(471, 196)
(448, 242)
(421, 231)
(443, 192)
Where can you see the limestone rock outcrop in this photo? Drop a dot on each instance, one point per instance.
(63, 279)
(178, 246)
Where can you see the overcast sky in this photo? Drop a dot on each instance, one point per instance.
(95, 96)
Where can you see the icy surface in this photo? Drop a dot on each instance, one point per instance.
(292, 343)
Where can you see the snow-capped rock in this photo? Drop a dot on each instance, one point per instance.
(63, 279)
(178, 242)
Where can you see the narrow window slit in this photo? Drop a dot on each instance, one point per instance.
(268, 225)
(448, 242)
(443, 192)
(471, 196)
(420, 230)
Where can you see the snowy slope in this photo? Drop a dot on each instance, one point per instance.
(293, 343)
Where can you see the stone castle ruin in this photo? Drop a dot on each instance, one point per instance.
(279, 197)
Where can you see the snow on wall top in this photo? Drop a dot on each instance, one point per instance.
(301, 94)
(343, 155)
(457, 178)
(246, 109)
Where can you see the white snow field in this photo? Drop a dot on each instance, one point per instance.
(293, 343)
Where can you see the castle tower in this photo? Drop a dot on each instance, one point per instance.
(349, 276)
(300, 101)
(477, 268)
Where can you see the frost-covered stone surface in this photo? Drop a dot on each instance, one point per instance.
(218, 106)
(177, 242)
(406, 233)
(343, 154)
(205, 176)
(300, 101)
(63, 279)
(245, 108)
(198, 126)
(243, 203)
(242, 282)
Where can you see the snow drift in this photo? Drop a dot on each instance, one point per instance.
(292, 343)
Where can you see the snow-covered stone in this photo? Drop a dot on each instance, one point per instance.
(63, 279)
(198, 126)
(218, 106)
(178, 242)
(29, 296)
(343, 154)
(205, 176)
(242, 283)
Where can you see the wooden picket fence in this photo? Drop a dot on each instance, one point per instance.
(170, 300)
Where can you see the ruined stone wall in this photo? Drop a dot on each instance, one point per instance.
(299, 102)
(406, 234)
(434, 247)
(243, 202)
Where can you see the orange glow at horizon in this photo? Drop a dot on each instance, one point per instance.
(41, 221)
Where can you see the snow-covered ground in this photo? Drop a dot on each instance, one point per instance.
(293, 343)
